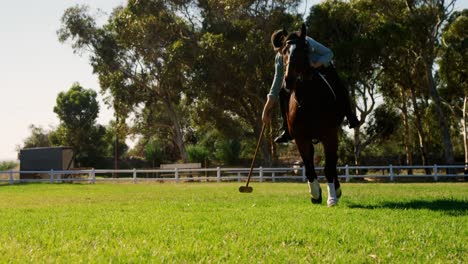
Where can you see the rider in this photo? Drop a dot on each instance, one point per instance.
(319, 58)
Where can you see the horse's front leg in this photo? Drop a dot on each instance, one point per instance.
(331, 158)
(306, 149)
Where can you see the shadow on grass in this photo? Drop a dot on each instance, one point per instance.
(448, 206)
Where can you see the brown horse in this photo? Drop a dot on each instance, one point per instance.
(313, 115)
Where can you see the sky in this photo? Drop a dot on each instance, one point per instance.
(35, 66)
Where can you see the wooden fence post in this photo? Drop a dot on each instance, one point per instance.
(93, 176)
(134, 176)
(52, 176)
(391, 172)
(11, 180)
(348, 178)
(261, 173)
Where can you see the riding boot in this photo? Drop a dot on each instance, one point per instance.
(284, 137)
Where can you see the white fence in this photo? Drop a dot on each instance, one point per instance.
(347, 173)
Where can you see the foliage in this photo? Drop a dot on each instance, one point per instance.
(38, 138)
(227, 151)
(453, 60)
(384, 123)
(77, 110)
(111, 135)
(352, 31)
(197, 153)
(188, 223)
(182, 69)
(234, 66)
(154, 152)
(7, 165)
(139, 57)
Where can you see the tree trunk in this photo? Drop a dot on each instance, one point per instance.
(176, 130)
(116, 141)
(419, 128)
(357, 148)
(446, 140)
(266, 150)
(465, 140)
(407, 138)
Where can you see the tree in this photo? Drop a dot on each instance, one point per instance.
(77, 110)
(234, 67)
(426, 20)
(154, 152)
(198, 153)
(140, 56)
(453, 71)
(112, 133)
(38, 138)
(352, 31)
(401, 84)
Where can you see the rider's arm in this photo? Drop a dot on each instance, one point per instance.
(278, 79)
(319, 53)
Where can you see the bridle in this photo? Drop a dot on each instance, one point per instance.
(291, 46)
(307, 72)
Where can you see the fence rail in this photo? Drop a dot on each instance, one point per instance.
(218, 174)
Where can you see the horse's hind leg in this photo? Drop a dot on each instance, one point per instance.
(306, 149)
(331, 158)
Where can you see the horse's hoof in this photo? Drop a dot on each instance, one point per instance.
(319, 200)
(316, 201)
(332, 202)
(338, 193)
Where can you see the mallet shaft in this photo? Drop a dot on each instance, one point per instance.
(255, 154)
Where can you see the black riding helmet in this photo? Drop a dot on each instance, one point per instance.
(277, 38)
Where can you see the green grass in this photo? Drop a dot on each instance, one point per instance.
(179, 223)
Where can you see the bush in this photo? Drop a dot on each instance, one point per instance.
(197, 153)
(7, 165)
(227, 151)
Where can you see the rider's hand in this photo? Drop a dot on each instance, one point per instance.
(266, 115)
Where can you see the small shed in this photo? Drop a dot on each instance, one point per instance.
(45, 159)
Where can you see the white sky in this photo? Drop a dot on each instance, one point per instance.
(35, 67)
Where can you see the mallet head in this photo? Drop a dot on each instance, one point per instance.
(245, 189)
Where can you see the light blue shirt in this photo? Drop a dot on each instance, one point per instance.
(317, 53)
(278, 78)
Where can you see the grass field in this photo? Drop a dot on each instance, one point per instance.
(202, 222)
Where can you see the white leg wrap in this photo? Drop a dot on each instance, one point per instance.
(314, 189)
(332, 199)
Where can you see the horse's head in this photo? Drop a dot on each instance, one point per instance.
(295, 57)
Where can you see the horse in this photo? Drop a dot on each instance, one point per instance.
(313, 115)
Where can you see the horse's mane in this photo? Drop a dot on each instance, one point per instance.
(292, 36)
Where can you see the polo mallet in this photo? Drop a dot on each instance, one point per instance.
(247, 188)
